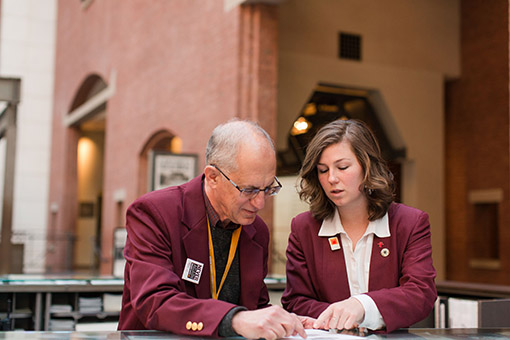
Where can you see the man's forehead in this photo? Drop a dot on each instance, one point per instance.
(254, 177)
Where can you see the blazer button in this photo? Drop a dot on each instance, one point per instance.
(200, 326)
(194, 326)
(188, 325)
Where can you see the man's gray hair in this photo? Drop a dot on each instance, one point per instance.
(224, 143)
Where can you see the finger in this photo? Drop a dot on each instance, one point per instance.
(281, 331)
(335, 318)
(288, 328)
(299, 329)
(332, 323)
(269, 332)
(292, 325)
(270, 335)
(351, 323)
(283, 323)
(309, 323)
(306, 321)
(302, 333)
(342, 320)
(320, 322)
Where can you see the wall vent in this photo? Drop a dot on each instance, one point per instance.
(349, 46)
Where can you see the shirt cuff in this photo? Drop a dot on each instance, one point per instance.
(373, 318)
(225, 328)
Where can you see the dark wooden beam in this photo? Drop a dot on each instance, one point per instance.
(9, 92)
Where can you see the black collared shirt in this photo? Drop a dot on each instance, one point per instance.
(221, 233)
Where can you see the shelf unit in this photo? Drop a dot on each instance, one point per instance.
(33, 297)
(32, 300)
(25, 308)
(76, 314)
(463, 304)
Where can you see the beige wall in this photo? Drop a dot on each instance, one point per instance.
(406, 54)
(286, 206)
(90, 186)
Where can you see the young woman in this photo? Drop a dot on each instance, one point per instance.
(356, 259)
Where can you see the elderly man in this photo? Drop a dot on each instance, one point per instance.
(197, 253)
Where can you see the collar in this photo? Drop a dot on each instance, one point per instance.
(333, 226)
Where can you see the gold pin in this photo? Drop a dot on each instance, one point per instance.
(188, 325)
(385, 252)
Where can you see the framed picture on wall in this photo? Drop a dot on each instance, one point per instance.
(169, 169)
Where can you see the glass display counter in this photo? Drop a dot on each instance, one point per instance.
(149, 335)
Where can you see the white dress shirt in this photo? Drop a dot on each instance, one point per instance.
(357, 262)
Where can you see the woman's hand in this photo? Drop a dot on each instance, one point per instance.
(346, 314)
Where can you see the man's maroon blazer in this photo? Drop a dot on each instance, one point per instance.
(401, 284)
(165, 228)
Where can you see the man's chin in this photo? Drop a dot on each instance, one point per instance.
(248, 219)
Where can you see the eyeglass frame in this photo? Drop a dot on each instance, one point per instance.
(253, 191)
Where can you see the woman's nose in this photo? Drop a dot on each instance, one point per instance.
(332, 176)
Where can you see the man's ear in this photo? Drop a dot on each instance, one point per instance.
(211, 175)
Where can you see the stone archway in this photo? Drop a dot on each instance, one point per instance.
(161, 140)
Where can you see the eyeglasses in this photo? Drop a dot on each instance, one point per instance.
(251, 193)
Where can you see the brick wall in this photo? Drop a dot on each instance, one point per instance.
(477, 138)
(177, 66)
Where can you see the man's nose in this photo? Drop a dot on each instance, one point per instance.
(259, 200)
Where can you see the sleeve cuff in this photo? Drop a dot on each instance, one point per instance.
(373, 318)
(225, 328)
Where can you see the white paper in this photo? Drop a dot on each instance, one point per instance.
(462, 313)
(317, 334)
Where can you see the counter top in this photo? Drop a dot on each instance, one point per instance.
(418, 333)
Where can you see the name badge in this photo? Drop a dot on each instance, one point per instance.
(192, 271)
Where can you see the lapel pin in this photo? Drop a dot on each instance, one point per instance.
(380, 244)
(333, 243)
(385, 252)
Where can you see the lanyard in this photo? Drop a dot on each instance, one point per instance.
(231, 254)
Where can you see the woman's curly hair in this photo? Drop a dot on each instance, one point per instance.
(377, 185)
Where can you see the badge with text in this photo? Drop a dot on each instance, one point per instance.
(334, 243)
(192, 271)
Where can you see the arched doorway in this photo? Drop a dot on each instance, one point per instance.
(162, 140)
(331, 102)
(88, 118)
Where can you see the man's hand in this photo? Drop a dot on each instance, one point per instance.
(269, 323)
(346, 314)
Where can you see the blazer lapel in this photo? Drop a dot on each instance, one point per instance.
(197, 248)
(250, 254)
(333, 272)
(195, 241)
(379, 264)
